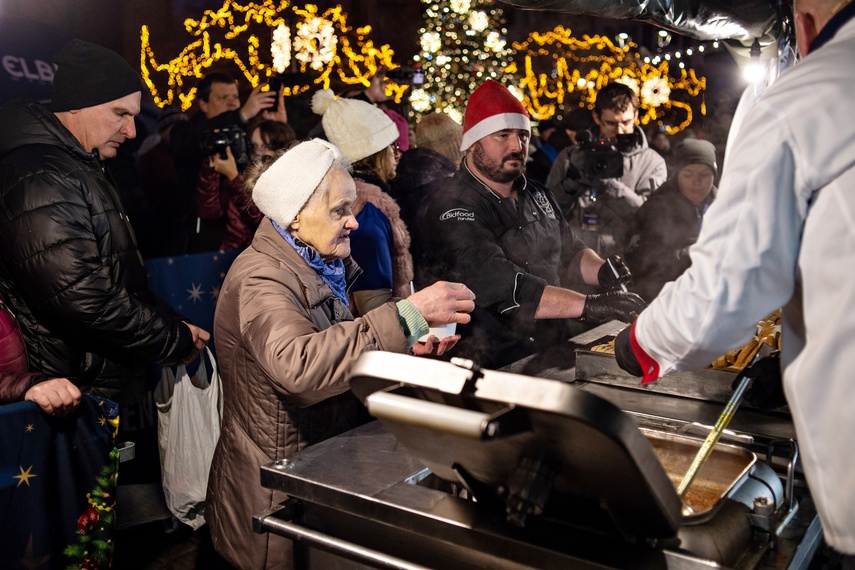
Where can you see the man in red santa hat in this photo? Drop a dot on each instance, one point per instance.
(504, 237)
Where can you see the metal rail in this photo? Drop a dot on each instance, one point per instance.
(277, 521)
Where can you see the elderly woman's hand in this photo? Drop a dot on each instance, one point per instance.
(444, 303)
(435, 346)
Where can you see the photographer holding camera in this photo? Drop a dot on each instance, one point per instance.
(601, 182)
(221, 191)
(217, 129)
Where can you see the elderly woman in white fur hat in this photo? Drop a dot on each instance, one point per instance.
(286, 339)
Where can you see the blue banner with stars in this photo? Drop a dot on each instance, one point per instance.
(57, 486)
(191, 283)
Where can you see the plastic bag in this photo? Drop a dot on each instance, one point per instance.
(189, 415)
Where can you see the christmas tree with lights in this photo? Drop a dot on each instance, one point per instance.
(462, 45)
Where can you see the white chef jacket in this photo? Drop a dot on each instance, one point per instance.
(782, 234)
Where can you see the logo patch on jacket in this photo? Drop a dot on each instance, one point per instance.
(459, 214)
(543, 203)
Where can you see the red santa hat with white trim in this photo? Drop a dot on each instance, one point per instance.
(492, 108)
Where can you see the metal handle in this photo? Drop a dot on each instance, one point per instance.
(271, 523)
(430, 415)
(127, 451)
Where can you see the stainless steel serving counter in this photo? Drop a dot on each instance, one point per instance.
(363, 499)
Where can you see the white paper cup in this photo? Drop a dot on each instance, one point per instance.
(440, 331)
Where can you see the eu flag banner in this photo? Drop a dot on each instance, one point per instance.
(191, 283)
(58, 486)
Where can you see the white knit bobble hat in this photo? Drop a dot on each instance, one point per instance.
(357, 128)
(285, 187)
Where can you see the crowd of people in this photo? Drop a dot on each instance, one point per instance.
(368, 231)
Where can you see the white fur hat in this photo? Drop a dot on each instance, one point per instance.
(285, 187)
(357, 128)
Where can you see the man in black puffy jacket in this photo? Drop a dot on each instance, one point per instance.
(69, 264)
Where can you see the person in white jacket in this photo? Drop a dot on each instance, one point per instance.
(782, 234)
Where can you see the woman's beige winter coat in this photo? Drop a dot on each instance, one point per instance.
(284, 344)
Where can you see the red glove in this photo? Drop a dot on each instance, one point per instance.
(632, 358)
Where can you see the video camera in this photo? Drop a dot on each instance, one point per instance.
(231, 136)
(406, 75)
(601, 158)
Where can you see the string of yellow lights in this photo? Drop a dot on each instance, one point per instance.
(563, 71)
(550, 71)
(323, 45)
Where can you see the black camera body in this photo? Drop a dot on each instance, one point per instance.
(601, 158)
(216, 141)
(406, 75)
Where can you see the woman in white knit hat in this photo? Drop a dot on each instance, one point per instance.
(286, 339)
(367, 139)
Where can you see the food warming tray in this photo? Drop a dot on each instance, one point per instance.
(536, 447)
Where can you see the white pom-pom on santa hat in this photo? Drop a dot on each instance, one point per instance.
(285, 187)
(492, 108)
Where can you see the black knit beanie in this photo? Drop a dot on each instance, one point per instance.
(695, 151)
(89, 75)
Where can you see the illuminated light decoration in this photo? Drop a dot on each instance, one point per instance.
(559, 71)
(494, 42)
(460, 6)
(231, 34)
(431, 42)
(420, 101)
(516, 92)
(630, 82)
(280, 48)
(455, 113)
(655, 91)
(315, 43)
(479, 21)
(472, 49)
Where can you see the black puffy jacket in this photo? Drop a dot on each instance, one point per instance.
(69, 266)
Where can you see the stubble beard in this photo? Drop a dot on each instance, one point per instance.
(493, 170)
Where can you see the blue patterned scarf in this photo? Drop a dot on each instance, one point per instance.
(332, 273)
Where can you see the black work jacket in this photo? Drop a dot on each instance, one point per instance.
(507, 251)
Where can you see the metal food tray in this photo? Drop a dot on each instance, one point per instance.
(725, 468)
(706, 384)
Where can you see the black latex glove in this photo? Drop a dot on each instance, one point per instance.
(613, 273)
(618, 305)
(624, 355)
(767, 391)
